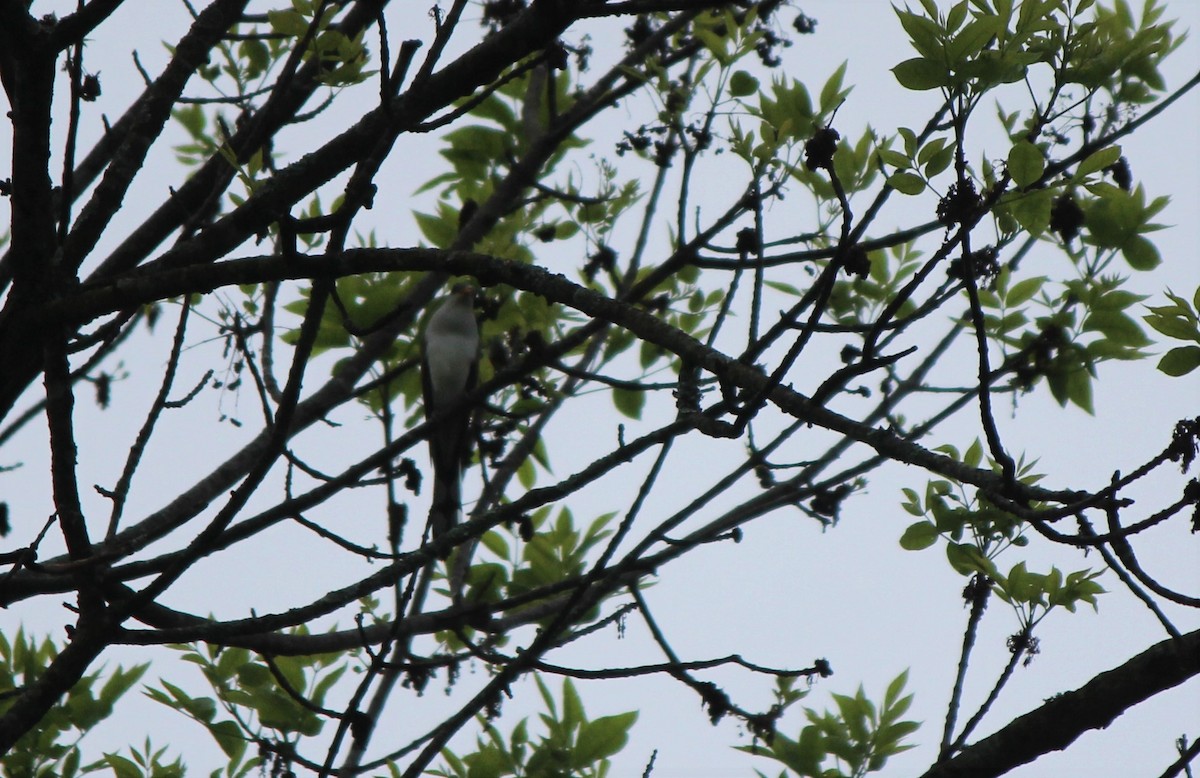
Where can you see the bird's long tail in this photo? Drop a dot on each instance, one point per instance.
(447, 500)
(443, 515)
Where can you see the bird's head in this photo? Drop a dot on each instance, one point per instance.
(464, 292)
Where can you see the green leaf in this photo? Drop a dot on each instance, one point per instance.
(892, 734)
(497, 110)
(895, 689)
(956, 16)
(742, 83)
(230, 738)
(1023, 290)
(1025, 163)
(70, 764)
(526, 474)
(1180, 361)
(894, 158)
(325, 684)
(629, 401)
(920, 74)
(1079, 389)
(1174, 323)
(930, 149)
(288, 23)
(1098, 161)
(121, 681)
(919, 536)
(1117, 300)
(1118, 327)
(573, 714)
(547, 696)
(939, 162)
(831, 92)
(1140, 253)
(965, 46)
(438, 231)
(602, 738)
(254, 676)
(779, 286)
(974, 454)
(925, 33)
(193, 120)
(1021, 585)
(202, 708)
(966, 559)
(854, 713)
(493, 542)
(122, 767)
(231, 661)
(717, 45)
(1114, 218)
(906, 183)
(810, 751)
(488, 762)
(1032, 210)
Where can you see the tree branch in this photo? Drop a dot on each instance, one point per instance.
(1062, 719)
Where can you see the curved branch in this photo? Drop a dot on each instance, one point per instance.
(556, 288)
(1062, 719)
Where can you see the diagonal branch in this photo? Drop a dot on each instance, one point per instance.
(1062, 719)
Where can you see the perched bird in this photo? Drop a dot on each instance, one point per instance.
(449, 363)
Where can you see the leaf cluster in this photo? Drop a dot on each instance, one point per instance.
(859, 736)
(572, 744)
(977, 532)
(262, 701)
(52, 748)
(1179, 321)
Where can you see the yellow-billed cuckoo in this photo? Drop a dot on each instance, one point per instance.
(449, 362)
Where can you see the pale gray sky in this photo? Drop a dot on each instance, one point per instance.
(788, 593)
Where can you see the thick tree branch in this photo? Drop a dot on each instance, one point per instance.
(1095, 705)
(155, 109)
(72, 29)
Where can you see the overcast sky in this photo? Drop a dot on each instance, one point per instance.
(789, 593)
